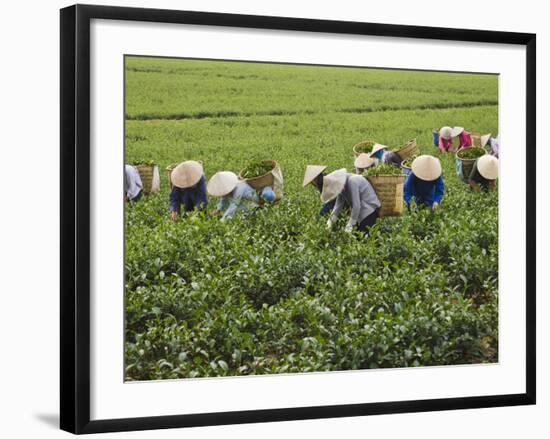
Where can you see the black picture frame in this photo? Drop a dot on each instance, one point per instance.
(75, 217)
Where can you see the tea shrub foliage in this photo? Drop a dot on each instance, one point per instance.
(272, 291)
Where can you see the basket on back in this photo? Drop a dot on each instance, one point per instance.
(261, 181)
(408, 149)
(406, 167)
(476, 139)
(150, 178)
(389, 189)
(468, 163)
(363, 147)
(168, 171)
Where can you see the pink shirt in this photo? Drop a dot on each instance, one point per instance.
(465, 139)
(445, 145)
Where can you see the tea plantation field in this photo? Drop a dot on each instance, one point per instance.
(275, 292)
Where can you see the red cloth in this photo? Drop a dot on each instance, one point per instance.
(445, 145)
(465, 139)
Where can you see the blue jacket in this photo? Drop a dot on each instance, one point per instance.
(424, 192)
(242, 197)
(193, 197)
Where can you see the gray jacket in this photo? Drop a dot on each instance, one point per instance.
(360, 195)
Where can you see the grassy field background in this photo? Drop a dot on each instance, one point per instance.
(275, 292)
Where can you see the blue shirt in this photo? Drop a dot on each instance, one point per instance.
(242, 197)
(424, 192)
(327, 207)
(193, 197)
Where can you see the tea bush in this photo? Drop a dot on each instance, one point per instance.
(471, 153)
(382, 169)
(272, 291)
(256, 169)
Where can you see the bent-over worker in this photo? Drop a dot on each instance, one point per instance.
(381, 153)
(188, 188)
(234, 195)
(355, 191)
(362, 162)
(464, 137)
(493, 142)
(314, 175)
(484, 174)
(133, 186)
(424, 184)
(445, 139)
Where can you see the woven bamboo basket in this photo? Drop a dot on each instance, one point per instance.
(467, 164)
(150, 178)
(408, 149)
(360, 145)
(263, 180)
(168, 171)
(406, 169)
(476, 139)
(389, 189)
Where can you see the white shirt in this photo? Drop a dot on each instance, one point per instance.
(132, 182)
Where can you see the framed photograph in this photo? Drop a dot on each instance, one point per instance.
(268, 218)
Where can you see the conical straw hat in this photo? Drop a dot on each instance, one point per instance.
(487, 165)
(186, 174)
(484, 139)
(333, 184)
(222, 183)
(312, 171)
(363, 161)
(446, 132)
(377, 147)
(426, 167)
(456, 131)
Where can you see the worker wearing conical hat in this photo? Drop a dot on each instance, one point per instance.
(381, 153)
(484, 174)
(445, 139)
(492, 142)
(464, 137)
(314, 175)
(133, 186)
(356, 192)
(188, 188)
(235, 195)
(362, 162)
(424, 185)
